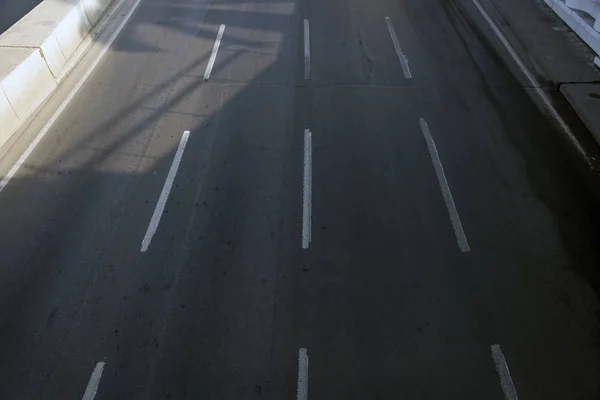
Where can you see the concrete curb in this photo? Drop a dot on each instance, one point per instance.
(556, 55)
(579, 94)
(584, 28)
(586, 107)
(37, 53)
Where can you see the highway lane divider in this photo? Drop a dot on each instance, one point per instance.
(461, 238)
(506, 382)
(306, 49)
(213, 55)
(307, 191)
(40, 50)
(94, 382)
(302, 393)
(164, 194)
(399, 53)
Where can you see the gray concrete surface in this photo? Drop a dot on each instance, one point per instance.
(560, 59)
(13, 10)
(40, 50)
(585, 97)
(385, 302)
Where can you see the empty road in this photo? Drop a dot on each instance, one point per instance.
(13, 10)
(268, 199)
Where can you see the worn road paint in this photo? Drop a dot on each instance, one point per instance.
(306, 49)
(94, 382)
(439, 171)
(307, 191)
(510, 393)
(401, 56)
(164, 195)
(302, 375)
(213, 55)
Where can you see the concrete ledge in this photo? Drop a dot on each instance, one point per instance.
(35, 55)
(586, 100)
(56, 27)
(578, 21)
(95, 8)
(25, 82)
(8, 116)
(590, 7)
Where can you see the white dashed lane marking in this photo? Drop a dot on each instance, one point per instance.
(164, 194)
(401, 56)
(439, 170)
(506, 382)
(94, 382)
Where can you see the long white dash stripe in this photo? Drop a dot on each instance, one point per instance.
(306, 49)
(213, 55)
(164, 195)
(532, 81)
(307, 191)
(439, 171)
(510, 393)
(94, 382)
(302, 375)
(11, 173)
(401, 56)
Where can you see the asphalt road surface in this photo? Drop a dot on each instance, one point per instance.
(13, 10)
(403, 224)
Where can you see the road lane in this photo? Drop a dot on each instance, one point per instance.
(237, 253)
(500, 153)
(384, 309)
(383, 299)
(218, 242)
(85, 194)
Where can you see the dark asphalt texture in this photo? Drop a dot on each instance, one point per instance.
(12, 11)
(384, 301)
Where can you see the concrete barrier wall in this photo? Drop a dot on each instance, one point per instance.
(583, 16)
(34, 54)
(95, 8)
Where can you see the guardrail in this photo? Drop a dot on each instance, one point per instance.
(583, 16)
